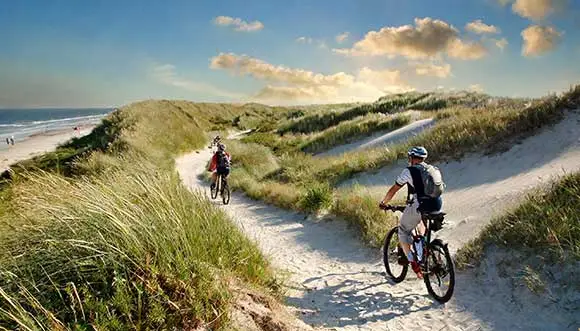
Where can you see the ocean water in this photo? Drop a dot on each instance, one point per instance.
(24, 123)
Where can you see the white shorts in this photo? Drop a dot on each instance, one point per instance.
(410, 219)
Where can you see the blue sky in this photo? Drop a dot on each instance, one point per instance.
(70, 53)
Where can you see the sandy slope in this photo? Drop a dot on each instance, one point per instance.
(382, 138)
(479, 188)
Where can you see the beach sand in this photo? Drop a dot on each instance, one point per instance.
(36, 145)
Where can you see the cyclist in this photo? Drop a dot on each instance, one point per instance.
(220, 164)
(417, 202)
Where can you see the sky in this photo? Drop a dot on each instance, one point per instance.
(105, 53)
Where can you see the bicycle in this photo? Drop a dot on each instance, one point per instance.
(221, 185)
(429, 253)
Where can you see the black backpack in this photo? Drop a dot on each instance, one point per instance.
(222, 160)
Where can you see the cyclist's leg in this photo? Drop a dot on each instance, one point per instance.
(213, 178)
(408, 222)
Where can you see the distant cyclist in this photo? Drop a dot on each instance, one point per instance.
(220, 164)
(425, 187)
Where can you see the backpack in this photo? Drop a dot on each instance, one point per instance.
(427, 180)
(223, 162)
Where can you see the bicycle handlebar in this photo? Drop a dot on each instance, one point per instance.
(392, 208)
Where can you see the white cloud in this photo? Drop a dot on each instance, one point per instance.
(540, 39)
(431, 69)
(479, 27)
(304, 40)
(500, 43)
(428, 38)
(294, 85)
(166, 74)
(239, 24)
(466, 50)
(262, 70)
(538, 9)
(342, 37)
(476, 88)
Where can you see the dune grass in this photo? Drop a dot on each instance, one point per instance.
(347, 132)
(547, 223)
(320, 121)
(115, 241)
(459, 130)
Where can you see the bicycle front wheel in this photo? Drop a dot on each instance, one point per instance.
(396, 264)
(226, 193)
(215, 190)
(440, 274)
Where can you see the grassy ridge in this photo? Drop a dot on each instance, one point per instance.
(459, 130)
(346, 132)
(110, 239)
(546, 222)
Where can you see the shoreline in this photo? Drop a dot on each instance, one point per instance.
(37, 144)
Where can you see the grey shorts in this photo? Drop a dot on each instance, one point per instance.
(410, 219)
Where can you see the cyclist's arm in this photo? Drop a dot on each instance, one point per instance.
(391, 193)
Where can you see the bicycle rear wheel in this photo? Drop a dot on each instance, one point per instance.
(226, 193)
(392, 254)
(440, 274)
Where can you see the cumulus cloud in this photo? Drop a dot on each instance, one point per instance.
(540, 39)
(239, 24)
(479, 27)
(538, 9)
(293, 84)
(431, 69)
(262, 70)
(167, 75)
(342, 37)
(428, 38)
(466, 50)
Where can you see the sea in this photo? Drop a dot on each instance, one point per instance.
(24, 123)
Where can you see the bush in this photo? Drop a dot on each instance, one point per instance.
(317, 197)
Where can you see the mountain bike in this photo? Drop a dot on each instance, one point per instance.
(221, 186)
(432, 254)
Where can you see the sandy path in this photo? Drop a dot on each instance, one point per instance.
(382, 138)
(336, 282)
(36, 145)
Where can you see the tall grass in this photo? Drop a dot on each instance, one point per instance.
(116, 241)
(321, 121)
(546, 222)
(349, 131)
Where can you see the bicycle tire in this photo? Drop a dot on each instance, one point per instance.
(386, 254)
(438, 245)
(215, 190)
(226, 195)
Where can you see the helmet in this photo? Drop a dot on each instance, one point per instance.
(418, 151)
(221, 147)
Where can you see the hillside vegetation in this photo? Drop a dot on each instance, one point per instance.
(101, 234)
(476, 124)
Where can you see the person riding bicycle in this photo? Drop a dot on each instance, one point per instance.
(417, 201)
(220, 164)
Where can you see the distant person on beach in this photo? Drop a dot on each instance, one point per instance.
(7, 141)
(12, 140)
